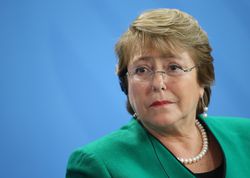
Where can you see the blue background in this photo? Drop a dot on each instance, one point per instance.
(58, 88)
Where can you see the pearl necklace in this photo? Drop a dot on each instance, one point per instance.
(203, 150)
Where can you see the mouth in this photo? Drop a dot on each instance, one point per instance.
(160, 103)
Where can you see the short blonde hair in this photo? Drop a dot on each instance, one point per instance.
(167, 30)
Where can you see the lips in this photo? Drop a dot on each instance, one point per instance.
(160, 103)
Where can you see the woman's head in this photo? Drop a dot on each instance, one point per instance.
(168, 32)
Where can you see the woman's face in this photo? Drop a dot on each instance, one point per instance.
(162, 100)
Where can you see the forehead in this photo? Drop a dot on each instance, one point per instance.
(153, 54)
(148, 46)
(150, 54)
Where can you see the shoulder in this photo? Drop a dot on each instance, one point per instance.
(126, 136)
(107, 150)
(229, 123)
(227, 120)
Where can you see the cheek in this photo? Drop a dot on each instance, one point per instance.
(188, 90)
(137, 94)
(190, 93)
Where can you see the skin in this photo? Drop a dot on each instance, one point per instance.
(179, 114)
(172, 123)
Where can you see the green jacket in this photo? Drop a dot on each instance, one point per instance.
(132, 152)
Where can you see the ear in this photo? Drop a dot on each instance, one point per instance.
(201, 92)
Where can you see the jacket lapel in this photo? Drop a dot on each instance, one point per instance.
(171, 166)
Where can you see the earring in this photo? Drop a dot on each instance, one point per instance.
(205, 108)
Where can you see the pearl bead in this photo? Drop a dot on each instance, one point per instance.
(204, 114)
(204, 149)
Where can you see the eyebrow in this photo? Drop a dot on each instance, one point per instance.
(147, 58)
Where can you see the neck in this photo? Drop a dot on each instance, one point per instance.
(182, 139)
(181, 130)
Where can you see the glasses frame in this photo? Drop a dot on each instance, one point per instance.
(163, 72)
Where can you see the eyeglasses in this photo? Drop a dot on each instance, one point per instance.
(143, 73)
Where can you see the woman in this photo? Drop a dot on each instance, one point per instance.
(166, 70)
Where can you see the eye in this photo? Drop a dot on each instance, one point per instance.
(142, 70)
(174, 68)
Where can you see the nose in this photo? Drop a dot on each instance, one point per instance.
(163, 73)
(159, 81)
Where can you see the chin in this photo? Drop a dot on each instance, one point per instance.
(161, 120)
